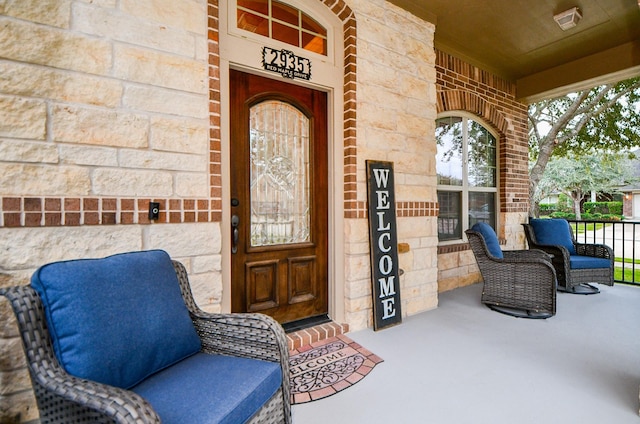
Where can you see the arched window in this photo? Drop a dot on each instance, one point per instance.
(467, 175)
(282, 22)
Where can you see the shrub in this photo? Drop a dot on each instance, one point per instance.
(614, 208)
(565, 215)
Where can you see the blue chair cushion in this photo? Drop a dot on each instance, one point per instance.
(490, 238)
(588, 262)
(211, 389)
(116, 320)
(553, 232)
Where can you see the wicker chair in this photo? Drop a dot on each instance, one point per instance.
(576, 264)
(521, 283)
(63, 398)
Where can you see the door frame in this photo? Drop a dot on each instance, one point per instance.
(242, 54)
(335, 271)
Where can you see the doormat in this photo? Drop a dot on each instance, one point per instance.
(326, 367)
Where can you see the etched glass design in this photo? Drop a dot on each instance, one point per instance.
(279, 137)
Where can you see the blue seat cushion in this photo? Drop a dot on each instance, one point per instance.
(554, 232)
(116, 320)
(211, 389)
(588, 262)
(490, 238)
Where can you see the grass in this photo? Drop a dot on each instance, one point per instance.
(590, 226)
(626, 274)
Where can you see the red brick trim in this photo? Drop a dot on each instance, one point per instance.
(215, 141)
(451, 248)
(358, 209)
(346, 15)
(307, 336)
(74, 211)
(460, 247)
(464, 87)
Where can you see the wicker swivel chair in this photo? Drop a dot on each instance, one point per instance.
(237, 348)
(521, 283)
(576, 264)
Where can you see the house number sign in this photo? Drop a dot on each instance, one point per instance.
(286, 63)
(383, 239)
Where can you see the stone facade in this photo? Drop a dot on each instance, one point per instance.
(108, 105)
(396, 112)
(103, 108)
(464, 87)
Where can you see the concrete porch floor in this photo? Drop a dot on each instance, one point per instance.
(463, 363)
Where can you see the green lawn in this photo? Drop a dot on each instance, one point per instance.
(628, 275)
(590, 226)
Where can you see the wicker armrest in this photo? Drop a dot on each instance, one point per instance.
(108, 402)
(73, 396)
(526, 255)
(254, 336)
(594, 250)
(248, 335)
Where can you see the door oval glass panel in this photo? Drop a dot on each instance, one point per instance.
(279, 174)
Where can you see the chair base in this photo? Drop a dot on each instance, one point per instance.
(520, 313)
(583, 288)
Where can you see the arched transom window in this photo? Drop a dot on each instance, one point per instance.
(466, 174)
(282, 22)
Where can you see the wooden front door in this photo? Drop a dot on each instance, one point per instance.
(279, 198)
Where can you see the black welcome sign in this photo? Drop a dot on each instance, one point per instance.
(383, 239)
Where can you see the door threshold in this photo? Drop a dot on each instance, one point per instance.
(302, 324)
(309, 335)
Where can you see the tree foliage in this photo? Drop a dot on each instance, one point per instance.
(576, 176)
(603, 119)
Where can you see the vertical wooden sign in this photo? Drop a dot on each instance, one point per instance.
(383, 239)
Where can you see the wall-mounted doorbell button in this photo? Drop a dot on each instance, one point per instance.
(154, 210)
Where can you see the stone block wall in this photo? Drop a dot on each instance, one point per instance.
(396, 112)
(462, 86)
(104, 107)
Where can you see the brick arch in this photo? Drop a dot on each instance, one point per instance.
(347, 17)
(450, 100)
(462, 100)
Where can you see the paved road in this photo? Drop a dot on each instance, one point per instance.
(623, 237)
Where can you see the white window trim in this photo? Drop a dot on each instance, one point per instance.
(310, 8)
(464, 188)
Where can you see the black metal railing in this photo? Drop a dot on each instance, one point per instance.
(622, 236)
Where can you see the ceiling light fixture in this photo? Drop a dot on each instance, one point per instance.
(568, 19)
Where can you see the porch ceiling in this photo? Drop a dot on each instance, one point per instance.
(520, 41)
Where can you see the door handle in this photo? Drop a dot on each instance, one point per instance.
(235, 233)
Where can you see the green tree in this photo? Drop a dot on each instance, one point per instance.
(605, 119)
(576, 176)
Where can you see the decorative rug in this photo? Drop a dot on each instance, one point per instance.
(326, 367)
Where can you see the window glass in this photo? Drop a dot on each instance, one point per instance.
(466, 168)
(450, 216)
(285, 34)
(312, 25)
(314, 43)
(482, 156)
(482, 208)
(253, 23)
(285, 13)
(260, 6)
(282, 22)
(449, 153)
